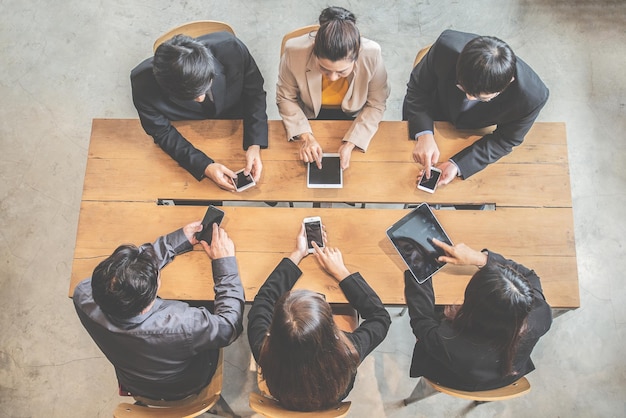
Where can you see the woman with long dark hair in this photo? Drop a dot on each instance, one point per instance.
(306, 361)
(486, 342)
(333, 73)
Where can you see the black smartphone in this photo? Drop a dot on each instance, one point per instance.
(212, 216)
(429, 185)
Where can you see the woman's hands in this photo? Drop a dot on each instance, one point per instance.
(332, 261)
(460, 254)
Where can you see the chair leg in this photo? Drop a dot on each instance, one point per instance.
(223, 406)
(403, 311)
(476, 403)
(422, 390)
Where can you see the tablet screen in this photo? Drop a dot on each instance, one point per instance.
(412, 237)
(330, 176)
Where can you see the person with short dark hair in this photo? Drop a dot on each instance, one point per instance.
(473, 82)
(486, 342)
(333, 73)
(211, 77)
(161, 349)
(307, 363)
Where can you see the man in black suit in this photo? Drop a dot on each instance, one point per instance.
(472, 82)
(211, 77)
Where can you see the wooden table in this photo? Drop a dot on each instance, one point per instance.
(124, 164)
(126, 173)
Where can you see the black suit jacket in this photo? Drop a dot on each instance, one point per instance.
(370, 333)
(237, 91)
(432, 94)
(463, 362)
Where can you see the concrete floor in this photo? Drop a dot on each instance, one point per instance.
(64, 63)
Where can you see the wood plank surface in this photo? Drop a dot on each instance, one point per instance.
(541, 238)
(124, 164)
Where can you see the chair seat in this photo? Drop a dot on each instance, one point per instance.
(271, 409)
(515, 389)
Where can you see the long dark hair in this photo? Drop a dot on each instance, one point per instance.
(497, 302)
(338, 38)
(307, 363)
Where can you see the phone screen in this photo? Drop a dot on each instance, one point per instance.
(313, 233)
(243, 180)
(430, 183)
(212, 216)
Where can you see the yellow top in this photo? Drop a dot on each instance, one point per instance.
(333, 92)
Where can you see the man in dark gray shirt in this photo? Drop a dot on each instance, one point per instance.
(161, 349)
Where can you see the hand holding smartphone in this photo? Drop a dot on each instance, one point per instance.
(243, 182)
(429, 185)
(313, 231)
(212, 216)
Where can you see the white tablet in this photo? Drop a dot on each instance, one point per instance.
(329, 177)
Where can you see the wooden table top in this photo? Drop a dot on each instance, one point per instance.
(122, 156)
(543, 240)
(127, 173)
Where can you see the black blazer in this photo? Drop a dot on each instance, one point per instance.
(370, 333)
(237, 91)
(432, 94)
(463, 362)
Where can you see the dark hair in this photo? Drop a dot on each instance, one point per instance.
(305, 360)
(486, 65)
(183, 67)
(338, 38)
(126, 282)
(497, 302)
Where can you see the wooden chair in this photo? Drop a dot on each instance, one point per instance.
(422, 52)
(271, 409)
(426, 388)
(194, 29)
(189, 407)
(295, 33)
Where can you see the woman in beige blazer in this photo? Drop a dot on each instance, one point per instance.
(334, 55)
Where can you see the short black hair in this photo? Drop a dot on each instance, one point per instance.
(338, 38)
(183, 67)
(486, 65)
(126, 282)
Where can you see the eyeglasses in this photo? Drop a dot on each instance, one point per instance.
(482, 97)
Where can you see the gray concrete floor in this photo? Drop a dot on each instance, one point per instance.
(64, 63)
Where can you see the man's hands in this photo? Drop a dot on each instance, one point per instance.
(426, 152)
(345, 151)
(310, 151)
(190, 231)
(254, 165)
(221, 245)
(332, 261)
(221, 175)
(460, 254)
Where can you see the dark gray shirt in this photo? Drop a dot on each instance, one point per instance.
(170, 351)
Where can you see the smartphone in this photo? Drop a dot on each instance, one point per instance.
(429, 185)
(243, 182)
(313, 230)
(212, 216)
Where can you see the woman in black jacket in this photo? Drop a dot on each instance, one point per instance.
(486, 342)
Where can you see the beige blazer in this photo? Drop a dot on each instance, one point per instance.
(299, 90)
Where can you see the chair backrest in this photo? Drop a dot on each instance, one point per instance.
(185, 408)
(270, 408)
(515, 389)
(421, 54)
(295, 33)
(194, 29)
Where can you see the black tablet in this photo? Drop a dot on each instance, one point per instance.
(329, 177)
(412, 237)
